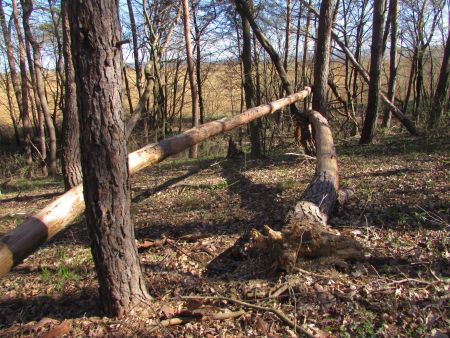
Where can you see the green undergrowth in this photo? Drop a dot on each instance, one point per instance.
(394, 145)
(25, 185)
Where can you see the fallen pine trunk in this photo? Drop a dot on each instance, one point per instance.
(27, 237)
(306, 233)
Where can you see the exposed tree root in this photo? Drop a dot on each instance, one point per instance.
(306, 233)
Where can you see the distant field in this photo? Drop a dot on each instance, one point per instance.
(222, 88)
(221, 93)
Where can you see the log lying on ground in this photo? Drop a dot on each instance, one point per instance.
(409, 125)
(306, 233)
(27, 237)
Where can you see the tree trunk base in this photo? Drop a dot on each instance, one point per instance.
(305, 236)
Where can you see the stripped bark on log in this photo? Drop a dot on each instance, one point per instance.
(20, 242)
(306, 233)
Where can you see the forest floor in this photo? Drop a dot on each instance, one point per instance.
(188, 217)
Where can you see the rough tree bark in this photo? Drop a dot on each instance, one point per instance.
(95, 32)
(376, 58)
(71, 165)
(322, 57)
(27, 237)
(190, 65)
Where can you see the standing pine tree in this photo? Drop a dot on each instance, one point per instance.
(96, 40)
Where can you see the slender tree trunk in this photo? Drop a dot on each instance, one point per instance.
(25, 115)
(431, 73)
(11, 59)
(359, 40)
(95, 32)
(198, 65)
(6, 78)
(143, 104)
(305, 46)
(127, 89)
(42, 143)
(409, 125)
(71, 165)
(441, 94)
(35, 103)
(257, 72)
(275, 57)
(322, 57)
(287, 35)
(190, 66)
(37, 112)
(376, 59)
(297, 45)
(183, 95)
(306, 138)
(58, 98)
(419, 85)
(137, 64)
(254, 126)
(393, 22)
(412, 73)
(27, 6)
(175, 88)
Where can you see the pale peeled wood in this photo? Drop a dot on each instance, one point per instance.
(27, 237)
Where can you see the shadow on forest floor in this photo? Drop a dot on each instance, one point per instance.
(30, 198)
(399, 186)
(394, 145)
(60, 307)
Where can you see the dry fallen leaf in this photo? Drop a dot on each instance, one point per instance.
(43, 322)
(261, 326)
(59, 330)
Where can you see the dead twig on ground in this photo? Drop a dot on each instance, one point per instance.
(313, 273)
(197, 317)
(411, 280)
(280, 314)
